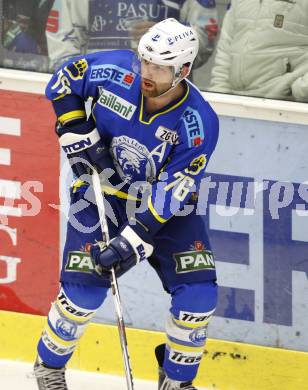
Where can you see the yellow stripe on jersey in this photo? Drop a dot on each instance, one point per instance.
(59, 97)
(119, 194)
(162, 112)
(77, 184)
(154, 212)
(107, 190)
(68, 116)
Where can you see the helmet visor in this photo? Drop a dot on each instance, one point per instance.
(150, 71)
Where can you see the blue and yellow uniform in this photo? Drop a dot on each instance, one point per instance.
(169, 150)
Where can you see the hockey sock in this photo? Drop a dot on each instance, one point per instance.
(186, 329)
(66, 324)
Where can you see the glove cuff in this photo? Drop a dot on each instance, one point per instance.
(74, 143)
(142, 249)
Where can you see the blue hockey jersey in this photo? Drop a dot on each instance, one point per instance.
(169, 149)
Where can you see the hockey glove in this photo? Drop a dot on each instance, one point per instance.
(132, 245)
(84, 148)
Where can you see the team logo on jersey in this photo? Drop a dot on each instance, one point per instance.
(194, 260)
(194, 127)
(133, 160)
(115, 103)
(79, 262)
(77, 69)
(166, 135)
(115, 74)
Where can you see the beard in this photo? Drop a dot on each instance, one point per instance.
(150, 88)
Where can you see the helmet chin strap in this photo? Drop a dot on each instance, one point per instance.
(168, 90)
(176, 80)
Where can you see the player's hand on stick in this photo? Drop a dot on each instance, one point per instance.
(132, 245)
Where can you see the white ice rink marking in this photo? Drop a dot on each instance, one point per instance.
(15, 376)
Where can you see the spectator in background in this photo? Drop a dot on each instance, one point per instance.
(23, 35)
(263, 50)
(82, 26)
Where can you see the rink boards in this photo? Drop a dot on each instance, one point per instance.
(225, 365)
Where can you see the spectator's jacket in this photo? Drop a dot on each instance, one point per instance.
(263, 50)
(81, 26)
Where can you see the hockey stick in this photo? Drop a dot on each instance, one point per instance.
(99, 199)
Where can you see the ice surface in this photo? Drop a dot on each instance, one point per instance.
(15, 376)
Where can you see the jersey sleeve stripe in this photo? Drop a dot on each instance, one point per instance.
(59, 97)
(68, 116)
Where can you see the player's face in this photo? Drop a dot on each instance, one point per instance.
(155, 79)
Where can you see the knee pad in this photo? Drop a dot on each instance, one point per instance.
(66, 324)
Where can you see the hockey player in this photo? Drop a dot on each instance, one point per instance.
(148, 125)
